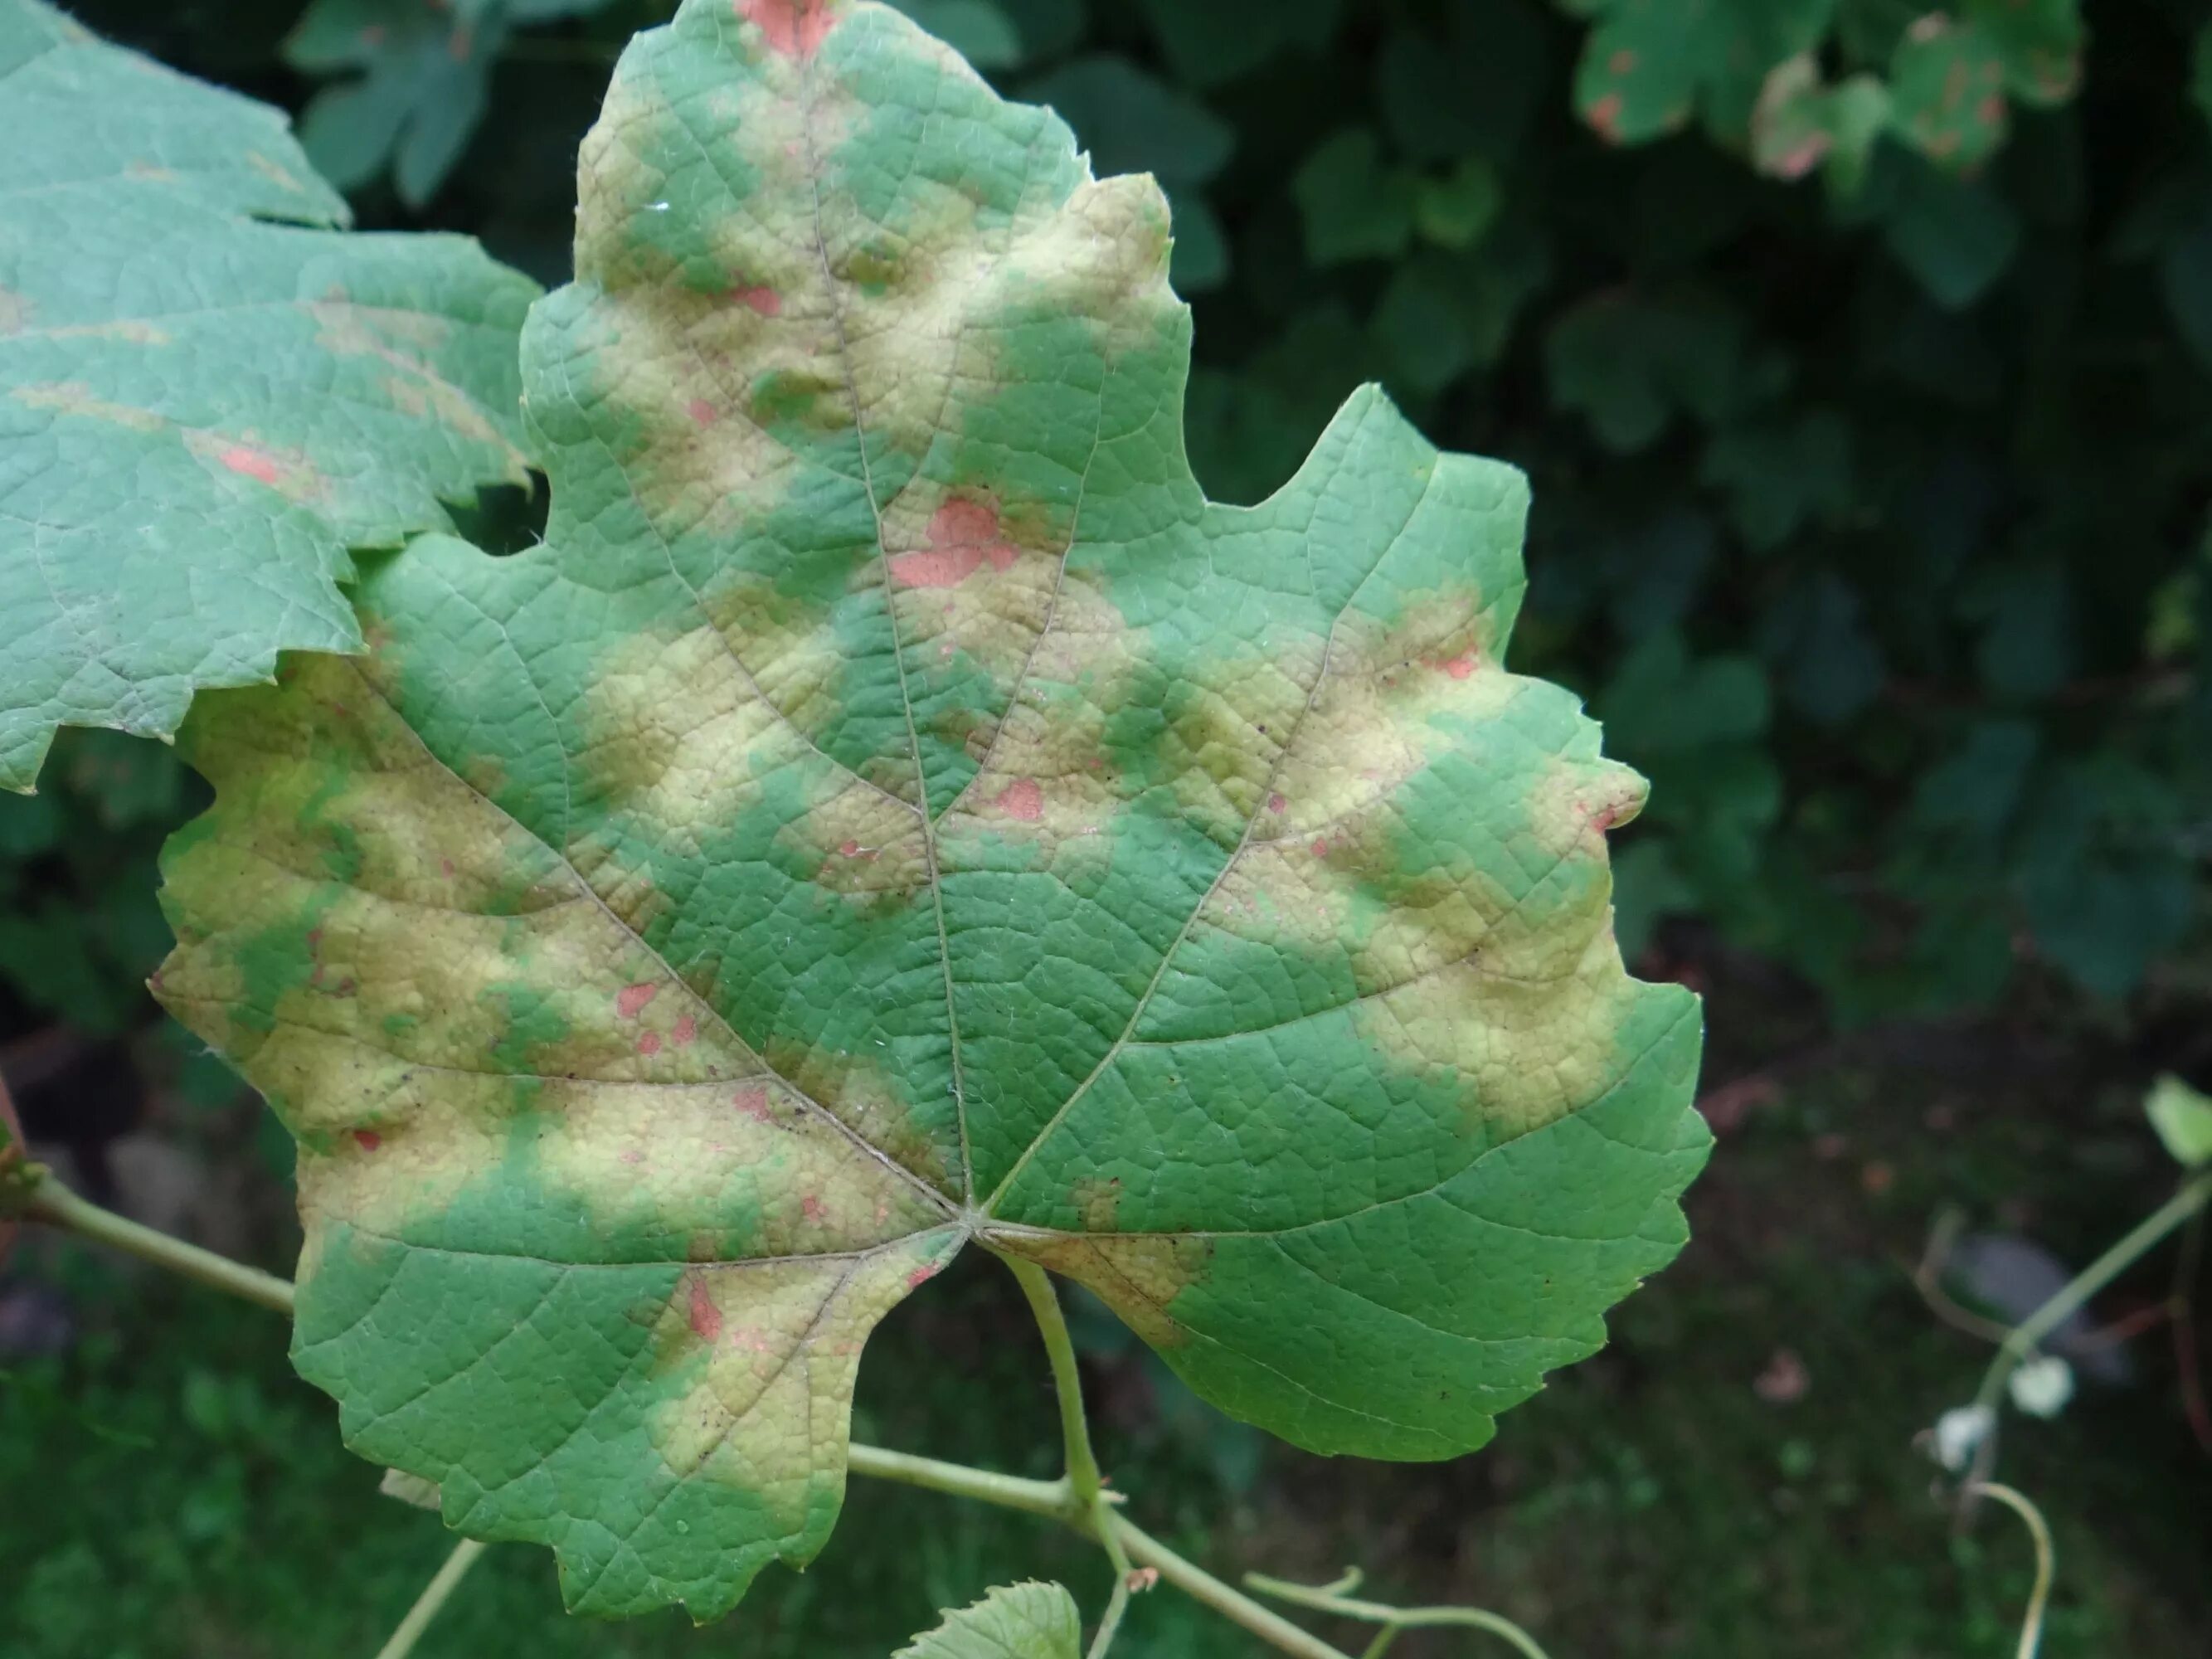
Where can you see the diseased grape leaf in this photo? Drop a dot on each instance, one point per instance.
(1014, 1621)
(1801, 123)
(207, 395)
(1647, 66)
(894, 808)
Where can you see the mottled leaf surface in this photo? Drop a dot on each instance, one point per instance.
(894, 808)
(207, 392)
(1014, 1621)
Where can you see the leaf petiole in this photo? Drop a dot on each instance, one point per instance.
(1087, 1486)
(432, 1598)
(50, 1201)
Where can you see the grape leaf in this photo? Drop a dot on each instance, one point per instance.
(206, 394)
(2181, 1115)
(894, 808)
(1647, 66)
(425, 76)
(1800, 123)
(1951, 77)
(1014, 1621)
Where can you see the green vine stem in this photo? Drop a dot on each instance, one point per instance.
(2030, 1627)
(2024, 1337)
(1098, 1518)
(1336, 1598)
(48, 1200)
(1088, 1486)
(1067, 1383)
(431, 1599)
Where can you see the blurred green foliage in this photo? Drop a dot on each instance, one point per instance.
(1861, 356)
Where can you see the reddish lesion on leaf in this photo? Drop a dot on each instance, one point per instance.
(793, 27)
(1023, 799)
(964, 536)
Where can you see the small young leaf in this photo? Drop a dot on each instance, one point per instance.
(425, 78)
(1800, 123)
(1956, 236)
(1014, 1621)
(1631, 362)
(207, 395)
(1647, 68)
(1948, 92)
(1454, 210)
(893, 808)
(976, 29)
(1353, 204)
(1216, 42)
(1133, 122)
(2183, 1117)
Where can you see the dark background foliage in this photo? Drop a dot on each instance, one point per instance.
(1862, 367)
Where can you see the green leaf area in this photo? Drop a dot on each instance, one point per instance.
(894, 808)
(207, 393)
(1014, 1621)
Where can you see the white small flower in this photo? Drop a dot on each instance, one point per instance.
(1959, 1433)
(2042, 1385)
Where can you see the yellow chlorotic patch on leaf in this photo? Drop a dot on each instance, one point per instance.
(894, 808)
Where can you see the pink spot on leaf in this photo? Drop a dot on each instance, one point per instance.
(1320, 847)
(1462, 665)
(686, 1029)
(251, 463)
(1604, 117)
(1801, 159)
(921, 1275)
(964, 536)
(446, 864)
(753, 1103)
(1276, 803)
(1023, 799)
(810, 1208)
(630, 1001)
(705, 1318)
(649, 1043)
(794, 27)
(368, 1140)
(850, 850)
(1621, 63)
(700, 411)
(761, 297)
